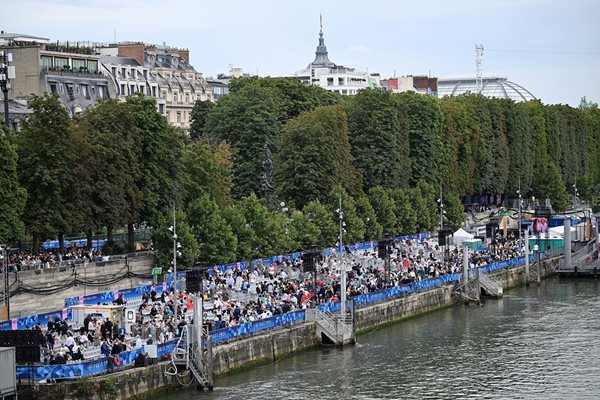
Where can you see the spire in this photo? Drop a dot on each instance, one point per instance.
(321, 58)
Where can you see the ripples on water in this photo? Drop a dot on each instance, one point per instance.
(535, 343)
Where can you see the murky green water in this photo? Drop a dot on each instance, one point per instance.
(535, 343)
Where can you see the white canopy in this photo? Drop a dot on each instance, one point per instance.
(559, 231)
(461, 235)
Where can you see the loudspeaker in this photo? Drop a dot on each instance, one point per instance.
(26, 343)
(442, 238)
(308, 261)
(193, 280)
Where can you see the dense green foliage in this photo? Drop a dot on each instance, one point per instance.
(12, 195)
(387, 155)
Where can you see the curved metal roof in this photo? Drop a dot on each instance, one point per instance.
(498, 87)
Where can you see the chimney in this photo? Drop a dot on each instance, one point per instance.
(185, 54)
(133, 50)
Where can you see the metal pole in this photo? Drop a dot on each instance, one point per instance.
(342, 266)
(6, 282)
(567, 244)
(4, 84)
(176, 300)
(526, 257)
(465, 266)
(520, 206)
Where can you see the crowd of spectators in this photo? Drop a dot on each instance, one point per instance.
(42, 259)
(237, 296)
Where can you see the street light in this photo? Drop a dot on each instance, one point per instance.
(6, 73)
(4, 255)
(176, 245)
(342, 266)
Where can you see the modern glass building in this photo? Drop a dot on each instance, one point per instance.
(499, 87)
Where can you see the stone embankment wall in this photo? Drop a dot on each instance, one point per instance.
(279, 343)
(24, 304)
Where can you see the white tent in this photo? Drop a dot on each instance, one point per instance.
(559, 231)
(460, 236)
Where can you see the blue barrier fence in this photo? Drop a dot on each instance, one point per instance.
(66, 371)
(257, 326)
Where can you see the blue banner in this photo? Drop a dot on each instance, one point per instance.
(75, 370)
(256, 326)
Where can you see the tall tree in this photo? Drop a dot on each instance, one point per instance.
(12, 195)
(384, 207)
(269, 236)
(379, 149)
(207, 171)
(45, 151)
(162, 236)
(304, 232)
(353, 225)
(294, 96)
(116, 164)
(365, 211)
(248, 120)
(421, 116)
(214, 235)
(161, 146)
(314, 156)
(319, 215)
(406, 217)
(199, 118)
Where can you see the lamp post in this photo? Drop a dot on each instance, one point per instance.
(6, 73)
(520, 206)
(176, 245)
(341, 259)
(4, 255)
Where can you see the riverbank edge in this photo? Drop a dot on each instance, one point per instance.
(244, 354)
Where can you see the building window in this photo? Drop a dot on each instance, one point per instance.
(124, 72)
(161, 109)
(46, 63)
(70, 91)
(341, 81)
(178, 116)
(78, 65)
(60, 63)
(92, 66)
(131, 89)
(153, 91)
(329, 81)
(53, 89)
(85, 91)
(123, 90)
(141, 90)
(101, 94)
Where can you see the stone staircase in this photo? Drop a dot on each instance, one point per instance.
(334, 328)
(489, 285)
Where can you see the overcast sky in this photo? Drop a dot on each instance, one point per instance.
(551, 47)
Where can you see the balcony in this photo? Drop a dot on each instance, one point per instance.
(70, 72)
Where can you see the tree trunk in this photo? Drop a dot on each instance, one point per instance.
(61, 242)
(36, 241)
(130, 238)
(109, 234)
(90, 237)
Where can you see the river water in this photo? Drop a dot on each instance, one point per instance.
(534, 343)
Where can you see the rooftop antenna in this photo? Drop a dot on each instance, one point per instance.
(479, 63)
